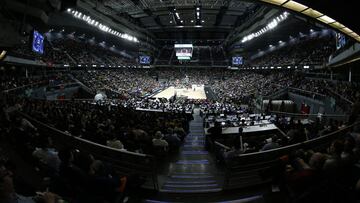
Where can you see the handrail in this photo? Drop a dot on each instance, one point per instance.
(252, 159)
(110, 148)
(279, 92)
(270, 150)
(308, 115)
(109, 100)
(56, 87)
(146, 165)
(38, 83)
(282, 132)
(86, 88)
(16, 88)
(339, 95)
(78, 138)
(307, 91)
(221, 145)
(301, 143)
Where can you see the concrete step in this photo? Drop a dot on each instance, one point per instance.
(199, 161)
(194, 152)
(191, 191)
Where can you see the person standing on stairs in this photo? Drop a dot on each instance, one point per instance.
(215, 134)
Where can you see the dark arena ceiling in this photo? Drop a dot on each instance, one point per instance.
(216, 16)
(160, 17)
(158, 22)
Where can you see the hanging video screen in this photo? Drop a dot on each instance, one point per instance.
(183, 50)
(38, 42)
(144, 59)
(237, 60)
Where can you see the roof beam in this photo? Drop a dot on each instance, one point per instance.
(156, 18)
(220, 15)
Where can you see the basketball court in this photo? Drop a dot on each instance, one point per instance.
(196, 92)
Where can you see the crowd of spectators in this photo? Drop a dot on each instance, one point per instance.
(75, 51)
(161, 132)
(346, 90)
(305, 51)
(227, 89)
(128, 83)
(294, 130)
(9, 82)
(230, 88)
(62, 173)
(84, 52)
(350, 91)
(160, 104)
(103, 123)
(328, 175)
(328, 172)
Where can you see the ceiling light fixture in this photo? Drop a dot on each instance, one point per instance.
(102, 27)
(273, 23)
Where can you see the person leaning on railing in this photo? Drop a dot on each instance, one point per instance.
(215, 133)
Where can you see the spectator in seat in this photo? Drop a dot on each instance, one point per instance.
(301, 174)
(355, 111)
(9, 195)
(215, 133)
(295, 135)
(271, 143)
(333, 164)
(158, 141)
(46, 154)
(73, 177)
(357, 189)
(180, 132)
(103, 185)
(113, 142)
(234, 151)
(172, 139)
(140, 135)
(348, 155)
(26, 125)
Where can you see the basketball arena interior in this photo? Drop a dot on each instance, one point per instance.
(168, 101)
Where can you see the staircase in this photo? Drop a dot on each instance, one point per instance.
(171, 57)
(211, 56)
(194, 170)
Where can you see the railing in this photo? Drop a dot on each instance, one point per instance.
(277, 93)
(313, 95)
(245, 170)
(16, 89)
(306, 93)
(124, 162)
(22, 55)
(341, 101)
(117, 102)
(62, 86)
(86, 88)
(323, 117)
